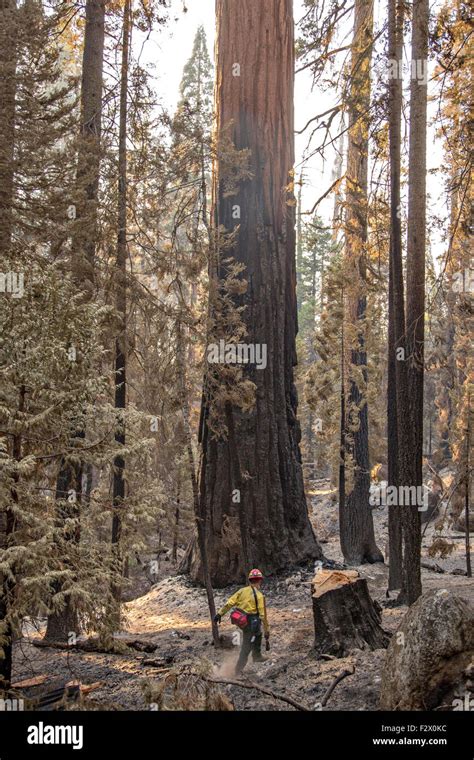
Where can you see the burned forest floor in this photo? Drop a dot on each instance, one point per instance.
(172, 614)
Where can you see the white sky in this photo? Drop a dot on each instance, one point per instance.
(170, 47)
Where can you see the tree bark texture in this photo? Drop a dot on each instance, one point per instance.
(89, 152)
(356, 523)
(257, 102)
(395, 96)
(415, 308)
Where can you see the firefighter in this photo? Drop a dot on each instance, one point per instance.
(251, 601)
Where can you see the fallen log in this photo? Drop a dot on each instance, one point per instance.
(435, 568)
(345, 616)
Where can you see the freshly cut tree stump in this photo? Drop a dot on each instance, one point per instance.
(345, 616)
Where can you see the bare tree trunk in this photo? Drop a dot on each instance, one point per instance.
(356, 523)
(174, 553)
(299, 243)
(395, 95)
(337, 174)
(121, 310)
(342, 439)
(468, 490)
(254, 90)
(415, 313)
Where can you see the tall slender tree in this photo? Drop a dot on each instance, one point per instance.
(415, 302)
(89, 153)
(121, 309)
(355, 515)
(396, 307)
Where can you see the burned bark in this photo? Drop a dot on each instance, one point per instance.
(254, 96)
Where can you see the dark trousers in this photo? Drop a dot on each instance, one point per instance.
(251, 642)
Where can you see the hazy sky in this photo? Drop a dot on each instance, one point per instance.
(169, 48)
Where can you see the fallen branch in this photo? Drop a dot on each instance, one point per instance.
(435, 568)
(331, 688)
(268, 692)
(93, 645)
(36, 681)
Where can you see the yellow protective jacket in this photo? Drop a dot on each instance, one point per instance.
(245, 600)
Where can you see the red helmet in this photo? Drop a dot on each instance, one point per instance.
(254, 574)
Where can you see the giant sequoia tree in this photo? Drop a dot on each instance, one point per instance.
(252, 491)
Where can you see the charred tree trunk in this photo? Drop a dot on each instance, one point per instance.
(395, 96)
(254, 91)
(342, 429)
(345, 617)
(356, 523)
(63, 620)
(415, 313)
(121, 311)
(467, 493)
